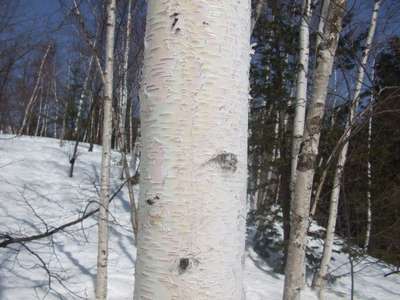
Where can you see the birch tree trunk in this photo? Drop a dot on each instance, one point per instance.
(39, 118)
(295, 263)
(122, 120)
(82, 96)
(65, 114)
(33, 96)
(192, 207)
(369, 175)
(45, 122)
(78, 123)
(124, 95)
(320, 280)
(322, 21)
(102, 253)
(301, 91)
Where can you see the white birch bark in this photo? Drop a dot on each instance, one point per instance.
(45, 122)
(124, 89)
(124, 102)
(295, 263)
(122, 119)
(301, 91)
(102, 254)
(333, 116)
(56, 117)
(320, 279)
(82, 98)
(322, 20)
(369, 175)
(192, 207)
(33, 97)
(39, 119)
(64, 122)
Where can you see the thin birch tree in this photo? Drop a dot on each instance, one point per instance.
(369, 171)
(122, 117)
(301, 90)
(33, 97)
(102, 253)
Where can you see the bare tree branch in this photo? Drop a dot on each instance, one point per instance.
(8, 240)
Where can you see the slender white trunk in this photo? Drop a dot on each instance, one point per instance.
(39, 118)
(102, 254)
(301, 91)
(369, 174)
(45, 122)
(122, 119)
(33, 95)
(56, 117)
(123, 97)
(82, 98)
(64, 123)
(254, 203)
(192, 207)
(320, 280)
(326, 169)
(295, 263)
(333, 114)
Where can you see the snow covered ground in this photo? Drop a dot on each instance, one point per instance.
(36, 194)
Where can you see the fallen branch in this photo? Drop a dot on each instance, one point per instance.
(8, 240)
(391, 273)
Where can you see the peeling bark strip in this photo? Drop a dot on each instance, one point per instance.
(187, 79)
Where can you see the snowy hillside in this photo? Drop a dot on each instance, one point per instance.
(36, 195)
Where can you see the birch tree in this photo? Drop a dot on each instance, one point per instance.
(33, 97)
(123, 97)
(320, 279)
(301, 90)
(295, 263)
(369, 172)
(102, 252)
(194, 150)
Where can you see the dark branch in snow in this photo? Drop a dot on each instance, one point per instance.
(8, 240)
(391, 273)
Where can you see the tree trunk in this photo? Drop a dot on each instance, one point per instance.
(82, 98)
(33, 96)
(124, 94)
(194, 159)
(295, 263)
(39, 118)
(320, 280)
(322, 21)
(369, 175)
(122, 120)
(301, 91)
(102, 254)
(45, 122)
